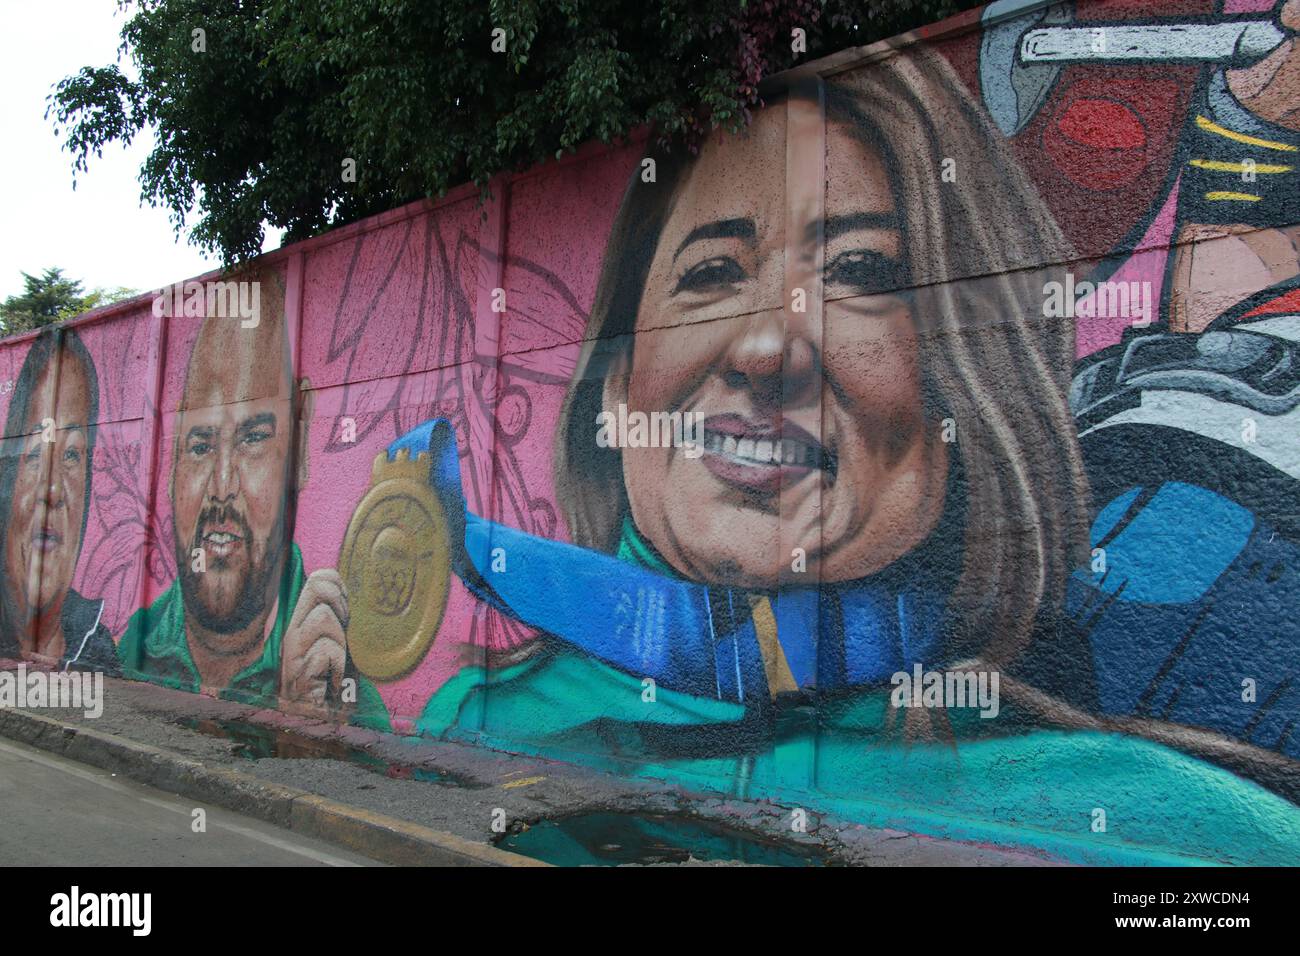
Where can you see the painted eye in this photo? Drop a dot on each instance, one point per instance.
(713, 273)
(72, 456)
(866, 272)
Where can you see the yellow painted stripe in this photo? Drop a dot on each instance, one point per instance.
(1212, 127)
(1237, 197)
(779, 676)
(1222, 167)
(525, 782)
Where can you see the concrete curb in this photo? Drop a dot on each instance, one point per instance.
(380, 837)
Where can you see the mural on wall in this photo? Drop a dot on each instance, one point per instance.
(45, 484)
(241, 616)
(928, 453)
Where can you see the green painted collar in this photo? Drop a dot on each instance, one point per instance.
(636, 550)
(156, 647)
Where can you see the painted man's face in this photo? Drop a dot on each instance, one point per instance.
(50, 491)
(228, 483)
(814, 431)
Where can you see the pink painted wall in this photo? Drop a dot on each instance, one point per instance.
(388, 323)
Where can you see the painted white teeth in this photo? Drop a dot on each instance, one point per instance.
(762, 451)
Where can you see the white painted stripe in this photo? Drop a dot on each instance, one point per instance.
(98, 614)
(1283, 326)
(1274, 442)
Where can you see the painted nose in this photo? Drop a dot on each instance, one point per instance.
(56, 495)
(225, 477)
(773, 360)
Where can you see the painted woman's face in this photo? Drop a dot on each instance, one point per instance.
(50, 491)
(814, 435)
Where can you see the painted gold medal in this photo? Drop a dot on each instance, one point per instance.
(395, 563)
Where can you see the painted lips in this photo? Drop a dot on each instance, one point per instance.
(220, 544)
(220, 538)
(46, 540)
(761, 456)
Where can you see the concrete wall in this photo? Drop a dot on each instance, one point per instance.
(1024, 337)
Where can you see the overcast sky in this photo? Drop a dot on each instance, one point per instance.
(100, 234)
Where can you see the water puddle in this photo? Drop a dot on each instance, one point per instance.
(253, 742)
(611, 839)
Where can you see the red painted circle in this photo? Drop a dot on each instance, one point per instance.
(1099, 144)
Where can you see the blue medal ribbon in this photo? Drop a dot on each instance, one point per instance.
(688, 637)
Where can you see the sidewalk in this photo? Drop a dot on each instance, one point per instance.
(414, 801)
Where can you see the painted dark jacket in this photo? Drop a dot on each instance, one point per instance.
(87, 643)
(1186, 612)
(1191, 620)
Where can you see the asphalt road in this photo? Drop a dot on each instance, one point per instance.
(57, 812)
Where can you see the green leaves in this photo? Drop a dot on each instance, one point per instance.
(255, 128)
(51, 297)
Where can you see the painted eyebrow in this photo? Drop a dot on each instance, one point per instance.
(200, 431)
(838, 225)
(258, 421)
(719, 229)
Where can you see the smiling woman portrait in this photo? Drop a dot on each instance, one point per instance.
(45, 480)
(918, 418)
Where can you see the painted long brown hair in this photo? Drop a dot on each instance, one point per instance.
(978, 247)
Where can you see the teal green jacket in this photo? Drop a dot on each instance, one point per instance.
(155, 648)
